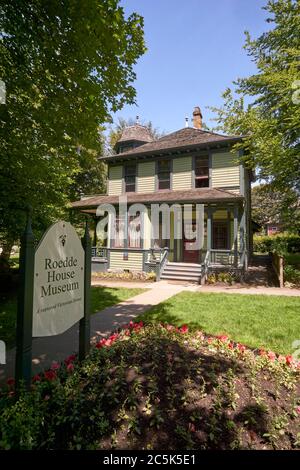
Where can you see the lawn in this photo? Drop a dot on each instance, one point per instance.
(293, 258)
(101, 298)
(259, 321)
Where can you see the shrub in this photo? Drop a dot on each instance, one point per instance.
(291, 274)
(280, 243)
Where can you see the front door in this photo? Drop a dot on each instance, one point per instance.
(189, 254)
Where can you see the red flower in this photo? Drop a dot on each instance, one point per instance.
(289, 360)
(70, 367)
(55, 365)
(271, 356)
(36, 378)
(241, 347)
(50, 375)
(101, 343)
(209, 340)
(192, 427)
(10, 381)
(262, 352)
(70, 359)
(230, 345)
(184, 329)
(223, 338)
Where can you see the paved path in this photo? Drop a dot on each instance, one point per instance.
(57, 348)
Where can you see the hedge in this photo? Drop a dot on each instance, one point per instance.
(281, 243)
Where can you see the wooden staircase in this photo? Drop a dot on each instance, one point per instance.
(182, 272)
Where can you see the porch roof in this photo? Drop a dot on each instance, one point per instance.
(201, 195)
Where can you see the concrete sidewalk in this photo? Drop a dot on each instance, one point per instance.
(57, 348)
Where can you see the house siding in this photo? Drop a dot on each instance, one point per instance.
(225, 171)
(133, 263)
(115, 182)
(146, 177)
(182, 173)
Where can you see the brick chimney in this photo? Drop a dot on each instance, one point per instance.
(197, 118)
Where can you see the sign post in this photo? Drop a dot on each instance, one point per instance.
(25, 302)
(54, 291)
(84, 324)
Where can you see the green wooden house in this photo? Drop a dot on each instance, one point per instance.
(186, 168)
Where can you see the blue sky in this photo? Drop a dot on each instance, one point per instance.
(195, 51)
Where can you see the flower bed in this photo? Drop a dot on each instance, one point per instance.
(126, 276)
(158, 387)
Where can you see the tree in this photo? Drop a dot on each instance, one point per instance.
(279, 207)
(66, 65)
(271, 122)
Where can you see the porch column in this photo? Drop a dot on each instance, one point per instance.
(95, 232)
(235, 234)
(209, 230)
(243, 234)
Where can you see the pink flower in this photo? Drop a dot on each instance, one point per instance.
(298, 410)
(262, 352)
(289, 360)
(10, 381)
(101, 343)
(50, 375)
(281, 358)
(199, 335)
(55, 365)
(70, 359)
(209, 340)
(170, 327)
(223, 338)
(192, 427)
(127, 332)
(70, 367)
(36, 378)
(184, 329)
(241, 347)
(271, 356)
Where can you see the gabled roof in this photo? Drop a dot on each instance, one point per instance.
(200, 195)
(187, 137)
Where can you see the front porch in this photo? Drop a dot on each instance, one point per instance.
(224, 245)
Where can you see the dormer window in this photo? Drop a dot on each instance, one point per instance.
(202, 172)
(130, 174)
(163, 174)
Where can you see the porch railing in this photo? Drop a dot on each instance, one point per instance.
(225, 258)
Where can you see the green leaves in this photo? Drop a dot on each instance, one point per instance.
(272, 119)
(66, 66)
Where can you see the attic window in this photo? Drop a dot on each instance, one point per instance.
(201, 172)
(130, 174)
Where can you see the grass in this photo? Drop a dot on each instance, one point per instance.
(101, 298)
(293, 258)
(259, 321)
